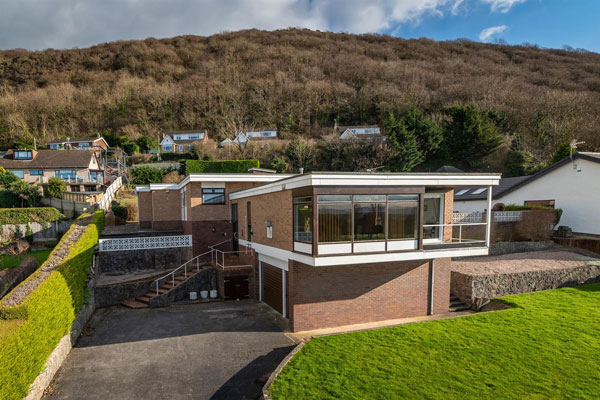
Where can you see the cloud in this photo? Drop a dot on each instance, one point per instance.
(488, 33)
(38, 24)
(502, 6)
(455, 6)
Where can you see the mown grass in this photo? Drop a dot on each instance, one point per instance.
(11, 261)
(548, 346)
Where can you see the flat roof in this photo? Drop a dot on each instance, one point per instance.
(371, 179)
(241, 177)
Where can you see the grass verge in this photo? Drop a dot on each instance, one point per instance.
(548, 346)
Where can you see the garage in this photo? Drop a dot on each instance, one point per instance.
(272, 286)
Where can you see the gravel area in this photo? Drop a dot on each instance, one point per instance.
(55, 259)
(521, 262)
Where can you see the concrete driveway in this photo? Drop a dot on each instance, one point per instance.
(220, 350)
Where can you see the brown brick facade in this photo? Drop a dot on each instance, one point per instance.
(448, 211)
(322, 297)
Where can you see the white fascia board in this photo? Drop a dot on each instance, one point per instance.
(142, 189)
(266, 178)
(430, 180)
(329, 261)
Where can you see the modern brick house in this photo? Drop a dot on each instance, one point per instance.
(325, 249)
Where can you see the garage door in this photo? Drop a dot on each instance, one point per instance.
(271, 286)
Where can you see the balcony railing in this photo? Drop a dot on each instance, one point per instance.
(74, 180)
(465, 234)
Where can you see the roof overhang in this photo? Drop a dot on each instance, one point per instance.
(371, 179)
(259, 178)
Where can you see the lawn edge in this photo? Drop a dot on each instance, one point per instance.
(265, 390)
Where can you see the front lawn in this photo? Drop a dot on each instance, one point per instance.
(11, 261)
(548, 346)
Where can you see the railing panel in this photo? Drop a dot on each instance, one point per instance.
(142, 243)
(459, 217)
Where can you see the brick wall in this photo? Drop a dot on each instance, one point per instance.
(166, 209)
(275, 207)
(322, 297)
(448, 211)
(145, 209)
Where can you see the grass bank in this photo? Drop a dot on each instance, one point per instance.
(11, 261)
(548, 346)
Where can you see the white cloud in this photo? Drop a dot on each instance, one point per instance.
(38, 24)
(502, 6)
(488, 33)
(455, 6)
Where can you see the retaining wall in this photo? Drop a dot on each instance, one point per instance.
(519, 247)
(477, 290)
(41, 232)
(130, 261)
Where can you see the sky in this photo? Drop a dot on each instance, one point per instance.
(41, 24)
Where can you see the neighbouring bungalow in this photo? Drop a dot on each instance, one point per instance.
(367, 132)
(324, 249)
(79, 168)
(182, 141)
(572, 184)
(255, 135)
(98, 144)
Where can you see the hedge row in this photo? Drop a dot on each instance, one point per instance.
(30, 331)
(27, 215)
(216, 167)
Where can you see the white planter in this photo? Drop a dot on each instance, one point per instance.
(204, 294)
(213, 294)
(193, 295)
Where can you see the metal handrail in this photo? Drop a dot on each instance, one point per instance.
(218, 244)
(184, 266)
(459, 225)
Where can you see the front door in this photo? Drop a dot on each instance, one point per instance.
(234, 226)
(433, 217)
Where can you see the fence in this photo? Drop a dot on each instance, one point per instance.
(109, 194)
(41, 232)
(69, 208)
(499, 216)
(145, 243)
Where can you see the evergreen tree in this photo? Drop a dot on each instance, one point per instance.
(404, 142)
(469, 136)
(429, 136)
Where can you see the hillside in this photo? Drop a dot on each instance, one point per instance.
(299, 81)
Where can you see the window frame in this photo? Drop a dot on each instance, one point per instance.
(19, 173)
(302, 201)
(41, 172)
(213, 192)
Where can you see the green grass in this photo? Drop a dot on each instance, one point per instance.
(548, 346)
(11, 261)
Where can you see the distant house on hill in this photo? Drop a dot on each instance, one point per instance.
(90, 143)
(79, 168)
(255, 135)
(182, 141)
(366, 132)
(571, 184)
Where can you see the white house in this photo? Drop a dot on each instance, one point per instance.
(571, 184)
(182, 141)
(368, 132)
(243, 137)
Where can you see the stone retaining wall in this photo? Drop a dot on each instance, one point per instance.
(206, 279)
(519, 247)
(130, 261)
(477, 290)
(111, 295)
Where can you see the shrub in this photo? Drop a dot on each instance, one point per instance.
(55, 188)
(230, 166)
(131, 211)
(119, 211)
(145, 174)
(27, 215)
(7, 177)
(29, 195)
(176, 156)
(30, 331)
(8, 200)
(515, 207)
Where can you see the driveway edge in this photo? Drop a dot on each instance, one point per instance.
(277, 371)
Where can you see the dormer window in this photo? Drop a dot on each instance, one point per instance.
(23, 155)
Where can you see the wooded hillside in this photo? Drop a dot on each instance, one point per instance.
(298, 81)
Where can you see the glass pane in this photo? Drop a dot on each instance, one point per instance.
(303, 223)
(402, 220)
(335, 223)
(369, 197)
(403, 197)
(369, 221)
(305, 199)
(334, 197)
(213, 198)
(432, 216)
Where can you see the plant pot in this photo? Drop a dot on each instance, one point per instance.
(213, 294)
(193, 295)
(204, 294)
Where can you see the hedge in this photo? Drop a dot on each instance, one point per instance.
(227, 166)
(176, 156)
(27, 215)
(8, 200)
(30, 331)
(145, 174)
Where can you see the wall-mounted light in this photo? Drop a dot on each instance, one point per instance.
(269, 226)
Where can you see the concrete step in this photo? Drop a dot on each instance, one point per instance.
(459, 308)
(134, 304)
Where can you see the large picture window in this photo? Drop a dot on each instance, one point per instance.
(403, 216)
(369, 217)
(67, 174)
(213, 196)
(335, 222)
(303, 219)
